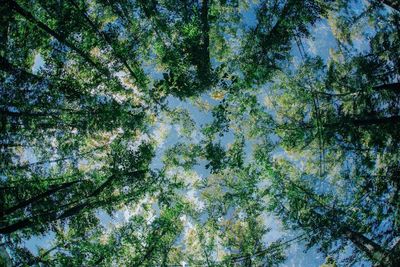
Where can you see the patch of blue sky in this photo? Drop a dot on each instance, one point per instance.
(321, 41)
(249, 16)
(35, 243)
(38, 63)
(299, 255)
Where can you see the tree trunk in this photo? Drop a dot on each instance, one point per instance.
(367, 121)
(47, 161)
(376, 121)
(204, 63)
(395, 253)
(47, 217)
(106, 38)
(395, 4)
(9, 68)
(16, 226)
(62, 39)
(36, 198)
(18, 114)
(5, 19)
(373, 250)
(394, 87)
(53, 215)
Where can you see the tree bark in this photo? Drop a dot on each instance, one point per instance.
(367, 121)
(18, 114)
(47, 217)
(36, 198)
(376, 121)
(70, 88)
(5, 20)
(394, 87)
(107, 39)
(395, 253)
(204, 63)
(62, 39)
(395, 4)
(6, 66)
(54, 215)
(373, 250)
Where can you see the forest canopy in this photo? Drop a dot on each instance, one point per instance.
(200, 133)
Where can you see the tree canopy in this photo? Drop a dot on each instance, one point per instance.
(199, 133)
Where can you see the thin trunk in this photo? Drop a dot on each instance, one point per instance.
(336, 95)
(275, 31)
(204, 64)
(12, 145)
(6, 66)
(18, 114)
(59, 84)
(46, 217)
(39, 258)
(395, 253)
(152, 247)
(5, 19)
(102, 257)
(74, 210)
(207, 259)
(54, 215)
(155, 21)
(107, 39)
(373, 250)
(120, 12)
(16, 226)
(376, 121)
(394, 87)
(24, 166)
(36, 198)
(395, 4)
(367, 121)
(62, 39)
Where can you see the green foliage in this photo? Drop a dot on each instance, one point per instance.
(86, 88)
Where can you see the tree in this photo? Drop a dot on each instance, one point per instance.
(85, 92)
(338, 124)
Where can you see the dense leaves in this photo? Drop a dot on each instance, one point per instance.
(169, 133)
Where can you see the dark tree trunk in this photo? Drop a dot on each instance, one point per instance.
(62, 39)
(16, 226)
(394, 87)
(395, 4)
(36, 198)
(47, 217)
(18, 114)
(9, 68)
(395, 254)
(204, 63)
(376, 121)
(369, 247)
(5, 19)
(366, 121)
(54, 215)
(106, 38)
